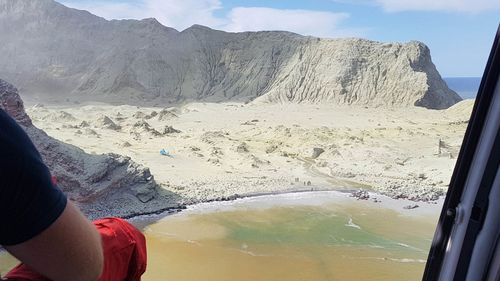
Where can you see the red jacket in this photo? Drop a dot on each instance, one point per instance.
(125, 256)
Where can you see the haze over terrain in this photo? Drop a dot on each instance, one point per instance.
(232, 113)
(51, 51)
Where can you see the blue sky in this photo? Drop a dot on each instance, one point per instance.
(458, 32)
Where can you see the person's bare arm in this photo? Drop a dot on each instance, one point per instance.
(69, 249)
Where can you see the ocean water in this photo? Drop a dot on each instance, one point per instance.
(307, 237)
(313, 240)
(466, 87)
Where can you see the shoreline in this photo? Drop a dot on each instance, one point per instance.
(141, 220)
(375, 200)
(184, 206)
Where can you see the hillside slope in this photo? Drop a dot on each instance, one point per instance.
(51, 51)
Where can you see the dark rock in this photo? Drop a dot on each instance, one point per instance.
(271, 148)
(104, 122)
(361, 195)
(166, 114)
(11, 102)
(317, 152)
(170, 130)
(242, 148)
(410, 207)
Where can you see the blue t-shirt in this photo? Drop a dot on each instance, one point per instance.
(29, 202)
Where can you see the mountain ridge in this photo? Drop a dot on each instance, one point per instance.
(71, 54)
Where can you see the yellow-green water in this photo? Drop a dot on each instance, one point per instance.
(326, 242)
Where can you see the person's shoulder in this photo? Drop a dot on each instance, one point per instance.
(16, 149)
(29, 201)
(13, 139)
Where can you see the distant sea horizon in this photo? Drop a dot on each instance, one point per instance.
(466, 87)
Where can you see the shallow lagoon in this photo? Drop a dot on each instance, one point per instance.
(320, 236)
(316, 237)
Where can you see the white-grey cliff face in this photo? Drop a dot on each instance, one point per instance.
(53, 51)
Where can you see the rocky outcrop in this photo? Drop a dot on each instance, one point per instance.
(102, 185)
(53, 51)
(105, 122)
(356, 71)
(11, 103)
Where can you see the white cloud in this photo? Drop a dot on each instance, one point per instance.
(182, 14)
(465, 6)
(108, 10)
(171, 13)
(317, 23)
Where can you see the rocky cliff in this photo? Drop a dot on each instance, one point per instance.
(102, 185)
(52, 51)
